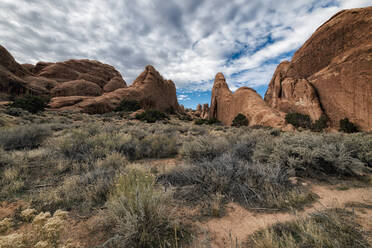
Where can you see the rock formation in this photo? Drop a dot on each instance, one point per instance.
(85, 85)
(150, 89)
(11, 74)
(331, 73)
(69, 78)
(202, 111)
(225, 106)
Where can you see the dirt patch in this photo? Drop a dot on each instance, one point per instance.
(7, 209)
(239, 223)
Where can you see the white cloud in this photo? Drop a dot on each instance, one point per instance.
(187, 41)
(183, 97)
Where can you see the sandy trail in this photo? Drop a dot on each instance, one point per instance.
(239, 222)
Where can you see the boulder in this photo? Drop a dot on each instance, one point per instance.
(225, 106)
(331, 73)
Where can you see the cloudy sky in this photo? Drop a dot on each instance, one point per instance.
(187, 41)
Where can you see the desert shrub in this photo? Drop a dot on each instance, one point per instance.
(310, 155)
(157, 146)
(206, 121)
(240, 120)
(320, 124)
(32, 104)
(128, 106)
(200, 121)
(360, 147)
(331, 228)
(44, 232)
(170, 110)
(184, 117)
(24, 137)
(141, 214)
(15, 111)
(151, 146)
(347, 126)
(244, 148)
(204, 148)
(298, 120)
(151, 116)
(79, 192)
(251, 185)
(23, 170)
(79, 145)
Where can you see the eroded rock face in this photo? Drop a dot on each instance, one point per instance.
(225, 106)
(289, 93)
(331, 73)
(11, 74)
(150, 89)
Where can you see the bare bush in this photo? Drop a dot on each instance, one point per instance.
(24, 137)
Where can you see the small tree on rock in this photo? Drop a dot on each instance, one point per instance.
(347, 126)
(240, 120)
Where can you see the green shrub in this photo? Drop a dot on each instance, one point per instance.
(141, 214)
(332, 228)
(128, 106)
(15, 111)
(213, 121)
(151, 116)
(298, 120)
(206, 121)
(184, 117)
(320, 124)
(24, 137)
(240, 120)
(347, 126)
(200, 121)
(32, 104)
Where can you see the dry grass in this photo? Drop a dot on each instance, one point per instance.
(81, 163)
(141, 214)
(334, 228)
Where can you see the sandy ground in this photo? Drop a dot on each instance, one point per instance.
(239, 222)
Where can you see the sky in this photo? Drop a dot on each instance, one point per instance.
(187, 41)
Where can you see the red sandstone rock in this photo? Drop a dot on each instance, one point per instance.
(114, 84)
(225, 106)
(150, 89)
(77, 88)
(336, 62)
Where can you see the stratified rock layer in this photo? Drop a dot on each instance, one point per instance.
(225, 106)
(331, 73)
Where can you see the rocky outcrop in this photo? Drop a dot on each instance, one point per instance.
(288, 92)
(11, 75)
(331, 73)
(150, 89)
(202, 111)
(69, 78)
(225, 106)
